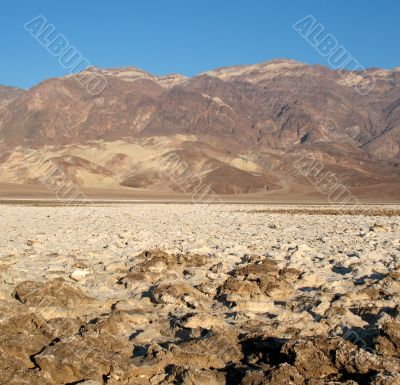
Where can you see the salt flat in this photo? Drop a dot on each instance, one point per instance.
(197, 294)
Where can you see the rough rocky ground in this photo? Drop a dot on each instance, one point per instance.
(181, 294)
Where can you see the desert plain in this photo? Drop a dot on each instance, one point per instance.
(194, 294)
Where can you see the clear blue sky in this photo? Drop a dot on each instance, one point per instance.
(165, 36)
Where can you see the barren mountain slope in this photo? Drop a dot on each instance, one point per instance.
(8, 94)
(269, 114)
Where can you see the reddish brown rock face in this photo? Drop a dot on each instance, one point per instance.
(277, 104)
(269, 114)
(8, 94)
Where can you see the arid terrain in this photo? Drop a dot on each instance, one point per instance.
(236, 294)
(143, 238)
(200, 193)
(237, 130)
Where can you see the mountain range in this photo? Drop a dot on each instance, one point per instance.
(237, 130)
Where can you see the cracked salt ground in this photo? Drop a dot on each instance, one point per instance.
(159, 294)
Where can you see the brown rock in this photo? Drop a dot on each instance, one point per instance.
(310, 357)
(22, 334)
(388, 342)
(56, 292)
(199, 377)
